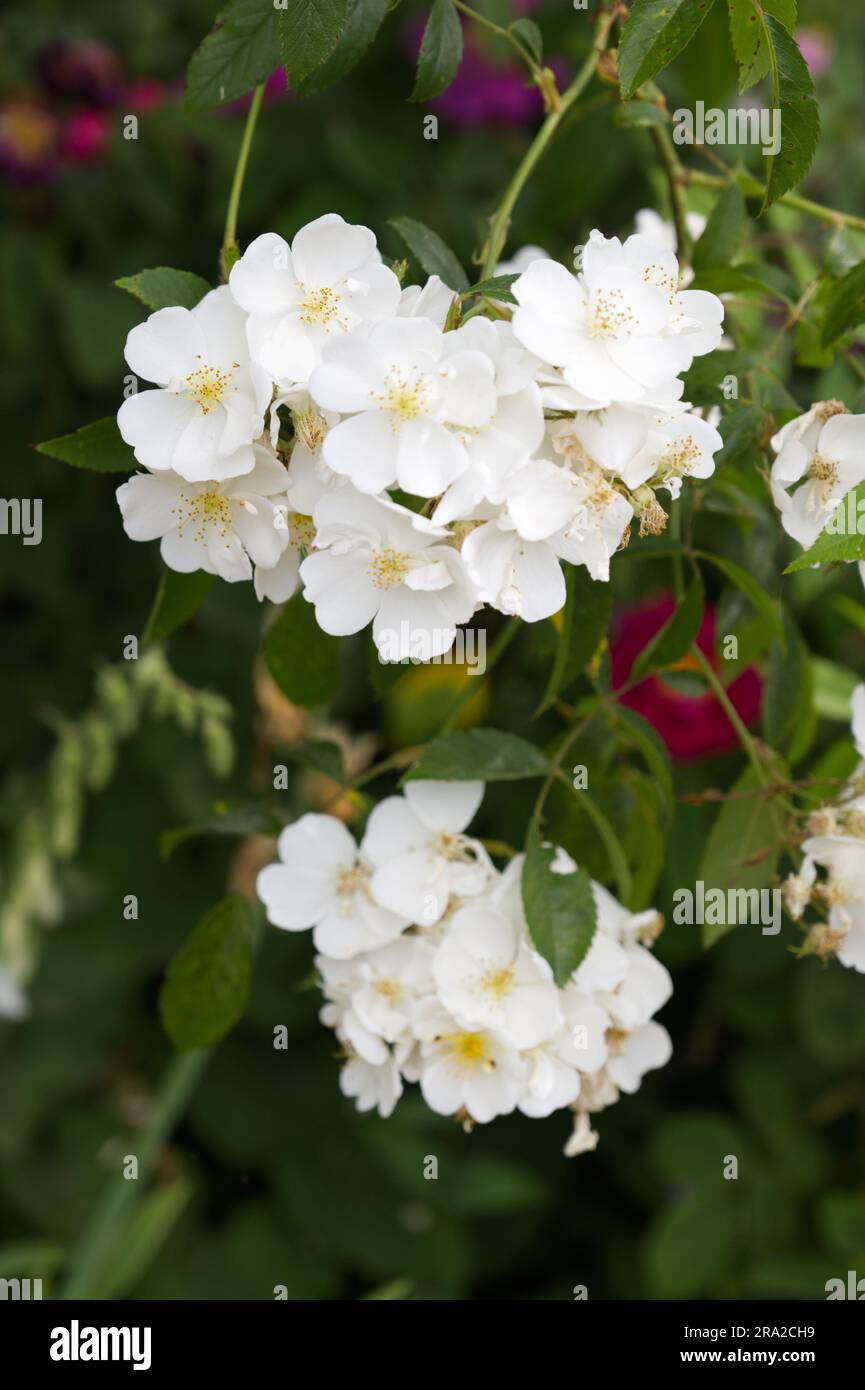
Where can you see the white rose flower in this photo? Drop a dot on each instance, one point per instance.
(422, 856)
(378, 562)
(322, 881)
(515, 575)
(621, 329)
(821, 457)
(298, 298)
(217, 526)
(211, 400)
(488, 977)
(468, 1069)
(405, 395)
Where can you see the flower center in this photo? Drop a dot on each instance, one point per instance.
(468, 1051)
(387, 568)
(301, 531)
(610, 317)
(387, 989)
(208, 385)
(203, 510)
(680, 456)
(497, 982)
(349, 882)
(823, 470)
(320, 306)
(403, 397)
(309, 427)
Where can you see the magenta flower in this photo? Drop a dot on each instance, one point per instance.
(691, 726)
(485, 91)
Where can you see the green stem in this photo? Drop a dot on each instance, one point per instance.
(676, 177)
(501, 33)
(753, 188)
(178, 1084)
(502, 216)
(744, 736)
(229, 238)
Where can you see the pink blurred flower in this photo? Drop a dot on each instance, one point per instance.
(691, 726)
(817, 47)
(142, 96)
(85, 136)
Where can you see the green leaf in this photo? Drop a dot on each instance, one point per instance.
(98, 447)
(743, 847)
(431, 252)
(840, 541)
(788, 692)
(637, 114)
(612, 847)
(742, 429)
(676, 637)
(793, 96)
(320, 756)
(722, 235)
(139, 1239)
(163, 288)
(440, 51)
(693, 1244)
(747, 584)
(178, 598)
(746, 279)
(484, 755)
(240, 818)
(207, 983)
(362, 21)
(654, 33)
(651, 746)
(530, 36)
(749, 39)
(304, 661)
(584, 625)
(308, 33)
(846, 306)
(833, 690)
(560, 910)
(496, 287)
(704, 380)
(238, 53)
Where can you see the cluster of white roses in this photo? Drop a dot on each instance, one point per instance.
(520, 441)
(836, 844)
(820, 458)
(430, 974)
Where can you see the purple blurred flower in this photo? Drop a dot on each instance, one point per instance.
(78, 70)
(485, 92)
